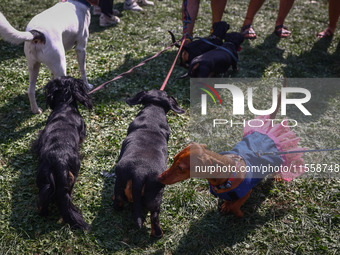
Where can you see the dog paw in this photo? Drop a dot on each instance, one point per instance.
(238, 214)
(90, 86)
(278, 177)
(117, 204)
(139, 222)
(37, 111)
(225, 207)
(156, 233)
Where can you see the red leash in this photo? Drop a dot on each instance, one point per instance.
(173, 64)
(140, 64)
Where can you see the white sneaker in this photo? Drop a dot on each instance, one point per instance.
(96, 10)
(131, 5)
(145, 2)
(115, 12)
(105, 21)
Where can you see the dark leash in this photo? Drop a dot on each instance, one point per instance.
(260, 153)
(219, 47)
(173, 64)
(187, 19)
(140, 64)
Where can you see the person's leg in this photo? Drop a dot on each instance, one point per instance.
(217, 9)
(106, 7)
(285, 6)
(253, 7)
(191, 8)
(334, 14)
(281, 30)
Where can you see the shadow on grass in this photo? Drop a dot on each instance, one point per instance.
(323, 92)
(10, 51)
(254, 61)
(215, 231)
(24, 216)
(117, 230)
(316, 62)
(13, 114)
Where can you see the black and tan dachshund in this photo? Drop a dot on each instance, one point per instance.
(143, 157)
(218, 60)
(58, 148)
(198, 47)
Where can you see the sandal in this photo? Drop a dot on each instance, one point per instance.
(326, 33)
(282, 31)
(248, 32)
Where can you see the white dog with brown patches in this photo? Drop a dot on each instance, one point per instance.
(48, 36)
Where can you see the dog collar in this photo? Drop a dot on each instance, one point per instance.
(226, 185)
(228, 182)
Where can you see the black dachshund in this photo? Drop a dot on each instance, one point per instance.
(57, 148)
(143, 157)
(198, 47)
(218, 60)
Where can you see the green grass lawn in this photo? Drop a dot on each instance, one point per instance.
(300, 217)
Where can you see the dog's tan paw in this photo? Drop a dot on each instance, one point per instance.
(225, 207)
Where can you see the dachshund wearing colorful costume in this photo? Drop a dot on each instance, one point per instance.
(236, 185)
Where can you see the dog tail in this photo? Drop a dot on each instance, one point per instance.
(67, 209)
(173, 39)
(12, 35)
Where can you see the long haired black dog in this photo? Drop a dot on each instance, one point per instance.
(57, 148)
(143, 157)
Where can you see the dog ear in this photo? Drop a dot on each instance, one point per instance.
(174, 106)
(56, 91)
(220, 28)
(173, 39)
(137, 99)
(80, 92)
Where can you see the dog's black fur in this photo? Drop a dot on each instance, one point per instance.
(143, 156)
(216, 61)
(57, 148)
(198, 47)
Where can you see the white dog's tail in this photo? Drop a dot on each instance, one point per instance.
(10, 34)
